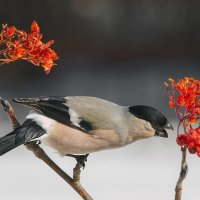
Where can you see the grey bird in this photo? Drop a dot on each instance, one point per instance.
(80, 125)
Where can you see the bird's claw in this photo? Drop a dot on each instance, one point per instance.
(81, 159)
(37, 142)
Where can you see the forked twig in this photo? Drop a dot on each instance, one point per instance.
(39, 153)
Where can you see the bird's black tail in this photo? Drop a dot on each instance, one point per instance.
(28, 131)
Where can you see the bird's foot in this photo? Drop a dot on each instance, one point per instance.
(37, 142)
(81, 159)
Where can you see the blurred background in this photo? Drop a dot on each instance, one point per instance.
(120, 50)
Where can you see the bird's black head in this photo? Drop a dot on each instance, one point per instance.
(157, 120)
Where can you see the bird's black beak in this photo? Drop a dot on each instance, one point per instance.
(161, 133)
(169, 126)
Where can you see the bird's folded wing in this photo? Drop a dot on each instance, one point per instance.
(57, 109)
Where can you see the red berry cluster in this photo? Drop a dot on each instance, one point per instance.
(190, 140)
(184, 97)
(17, 44)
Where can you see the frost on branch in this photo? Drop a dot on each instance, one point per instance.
(16, 44)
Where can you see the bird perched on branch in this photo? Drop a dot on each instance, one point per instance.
(80, 125)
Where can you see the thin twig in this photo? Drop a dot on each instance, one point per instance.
(11, 113)
(182, 176)
(184, 165)
(39, 153)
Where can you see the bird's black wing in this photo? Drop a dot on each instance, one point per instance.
(27, 132)
(57, 109)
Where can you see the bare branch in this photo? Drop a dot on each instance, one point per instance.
(39, 153)
(182, 176)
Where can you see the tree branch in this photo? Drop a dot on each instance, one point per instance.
(39, 153)
(182, 176)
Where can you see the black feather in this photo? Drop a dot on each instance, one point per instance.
(156, 118)
(55, 108)
(28, 131)
(85, 125)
